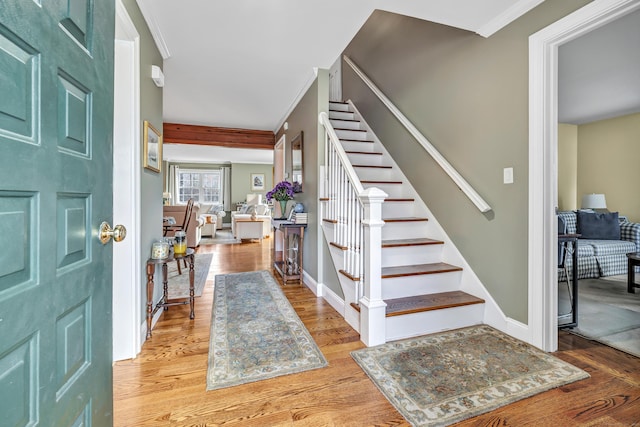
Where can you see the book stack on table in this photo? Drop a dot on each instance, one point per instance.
(299, 218)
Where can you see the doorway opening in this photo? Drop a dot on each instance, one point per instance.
(543, 148)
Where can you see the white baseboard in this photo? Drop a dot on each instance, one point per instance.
(311, 283)
(333, 299)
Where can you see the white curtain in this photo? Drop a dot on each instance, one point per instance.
(226, 188)
(174, 175)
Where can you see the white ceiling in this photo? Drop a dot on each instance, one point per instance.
(599, 73)
(245, 63)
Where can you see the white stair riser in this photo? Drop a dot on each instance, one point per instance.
(401, 287)
(405, 230)
(393, 190)
(368, 174)
(351, 134)
(338, 257)
(398, 209)
(365, 159)
(429, 322)
(345, 124)
(358, 146)
(411, 255)
(341, 115)
(338, 106)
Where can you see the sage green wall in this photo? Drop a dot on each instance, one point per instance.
(304, 117)
(469, 96)
(567, 167)
(241, 180)
(608, 153)
(151, 110)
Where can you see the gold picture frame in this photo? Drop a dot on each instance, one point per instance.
(152, 148)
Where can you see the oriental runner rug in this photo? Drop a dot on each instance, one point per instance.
(440, 379)
(255, 332)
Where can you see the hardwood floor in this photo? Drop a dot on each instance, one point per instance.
(165, 385)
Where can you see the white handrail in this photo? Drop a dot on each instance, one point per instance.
(435, 154)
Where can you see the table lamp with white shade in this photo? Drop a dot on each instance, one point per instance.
(594, 201)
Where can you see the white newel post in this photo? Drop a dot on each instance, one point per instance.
(372, 307)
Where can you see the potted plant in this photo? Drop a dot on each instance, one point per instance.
(282, 192)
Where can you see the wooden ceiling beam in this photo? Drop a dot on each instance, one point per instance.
(176, 133)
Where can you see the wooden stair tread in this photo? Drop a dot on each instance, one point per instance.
(354, 130)
(405, 219)
(355, 140)
(418, 269)
(393, 243)
(420, 303)
(373, 166)
(347, 120)
(364, 152)
(438, 301)
(380, 182)
(399, 200)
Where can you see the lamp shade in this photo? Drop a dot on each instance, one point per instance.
(594, 201)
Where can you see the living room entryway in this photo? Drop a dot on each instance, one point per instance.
(587, 131)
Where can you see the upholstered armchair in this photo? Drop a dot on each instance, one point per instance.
(195, 225)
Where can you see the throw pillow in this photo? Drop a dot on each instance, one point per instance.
(262, 209)
(598, 226)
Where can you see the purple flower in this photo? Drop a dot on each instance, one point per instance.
(282, 191)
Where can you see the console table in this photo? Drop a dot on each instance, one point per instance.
(151, 269)
(633, 260)
(287, 254)
(573, 240)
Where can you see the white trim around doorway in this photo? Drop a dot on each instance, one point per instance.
(543, 148)
(127, 270)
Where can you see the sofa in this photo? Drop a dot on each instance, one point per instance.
(194, 232)
(262, 212)
(606, 239)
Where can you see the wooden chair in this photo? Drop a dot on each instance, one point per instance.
(184, 227)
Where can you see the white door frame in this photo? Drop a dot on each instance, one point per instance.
(279, 153)
(126, 188)
(543, 153)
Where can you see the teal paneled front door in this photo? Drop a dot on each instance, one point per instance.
(56, 124)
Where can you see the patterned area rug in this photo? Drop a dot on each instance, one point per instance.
(222, 237)
(179, 283)
(255, 333)
(444, 378)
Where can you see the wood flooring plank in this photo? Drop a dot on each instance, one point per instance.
(166, 384)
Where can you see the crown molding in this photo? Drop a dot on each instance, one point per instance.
(158, 38)
(508, 16)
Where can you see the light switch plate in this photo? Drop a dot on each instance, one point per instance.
(507, 174)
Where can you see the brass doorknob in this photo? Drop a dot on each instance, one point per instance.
(106, 233)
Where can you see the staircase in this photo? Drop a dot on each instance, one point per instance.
(419, 283)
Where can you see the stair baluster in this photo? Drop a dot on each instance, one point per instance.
(349, 207)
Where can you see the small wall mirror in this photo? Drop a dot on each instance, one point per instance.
(296, 161)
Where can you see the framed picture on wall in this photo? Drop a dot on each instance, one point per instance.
(257, 181)
(152, 148)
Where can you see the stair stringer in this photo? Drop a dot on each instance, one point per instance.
(492, 314)
(348, 286)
